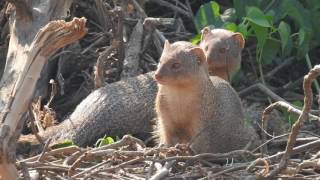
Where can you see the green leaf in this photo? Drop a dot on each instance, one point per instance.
(208, 14)
(315, 14)
(313, 4)
(243, 29)
(298, 103)
(104, 141)
(63, 144)
(110, 140)
(301, 19)
(270, 50)
(284, 31)
(215, 8)
(279, 11)
(288, 49)
(196, 39)
(292, 119)
(240, 6)
(269, 16)
(298, 13)
(260, 32)
(304, 42)
(255, 15)
(230, 26)
(201, 18)
(302, 34)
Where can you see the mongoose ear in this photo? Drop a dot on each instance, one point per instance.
(199, 53)
(166, 45)
(204, 32)
(239, 38)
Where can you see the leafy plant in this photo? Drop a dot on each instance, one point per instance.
(209, 15)
(104, 141)
(281, 28)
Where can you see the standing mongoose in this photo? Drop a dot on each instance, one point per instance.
(223, 50)
(192, 106)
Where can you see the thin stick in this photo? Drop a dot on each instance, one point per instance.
(45, 148)
(164, 172)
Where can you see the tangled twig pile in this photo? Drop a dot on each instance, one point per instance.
(129, 158)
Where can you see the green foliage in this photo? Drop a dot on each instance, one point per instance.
(66, 143)
(240, 6)
(257, 17)
(207, 14)
(281, 28)
(284, 32)
(293, 22)
(104, 141)
(196, 39)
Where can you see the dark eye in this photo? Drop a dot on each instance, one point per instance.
(222, 50)
(206, 48)
(175, 65)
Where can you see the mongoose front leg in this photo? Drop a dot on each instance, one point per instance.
(168, 137)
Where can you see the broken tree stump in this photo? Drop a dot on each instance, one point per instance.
(32, 41)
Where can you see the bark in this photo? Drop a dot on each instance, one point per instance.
(28, 52)
(132, 55)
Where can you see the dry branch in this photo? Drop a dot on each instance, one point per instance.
(173, 7)
(132, 54)
(315, 72)
(279, 104)
(129, 155)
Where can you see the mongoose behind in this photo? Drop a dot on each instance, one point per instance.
(223, 50)
(190, 106)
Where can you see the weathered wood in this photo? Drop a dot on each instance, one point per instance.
(132, 54)
(28, 52)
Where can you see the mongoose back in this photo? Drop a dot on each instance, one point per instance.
(223, 50)
(191, 105)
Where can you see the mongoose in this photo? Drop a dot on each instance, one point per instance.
(192, 106)
(223, 50)
(122, 107)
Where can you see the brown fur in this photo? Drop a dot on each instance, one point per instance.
(193, 106)
(223, 50)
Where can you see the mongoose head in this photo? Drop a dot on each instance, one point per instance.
(179, 64)
(223, 48)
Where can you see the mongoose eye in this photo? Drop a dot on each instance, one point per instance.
(206, 48)
(175, 65)
(222, 50)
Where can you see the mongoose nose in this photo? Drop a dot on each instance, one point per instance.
(157, 76)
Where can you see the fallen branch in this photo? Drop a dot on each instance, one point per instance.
(279, 105)
(47, 41)
(302, 118)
